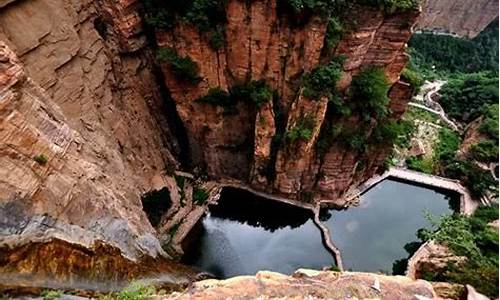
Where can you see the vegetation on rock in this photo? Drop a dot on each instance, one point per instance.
(184, 68)
(41, 159)
(302, 131)
(255, 92)
(369, 91)
(474, 239)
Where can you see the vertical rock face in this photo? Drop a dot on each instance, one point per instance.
(82, 134)
(466, 18)
(262, 45)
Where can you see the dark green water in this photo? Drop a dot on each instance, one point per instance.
(245, 234)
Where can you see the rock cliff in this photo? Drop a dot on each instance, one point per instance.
(466, 18)
(82, 135)
(261, 45)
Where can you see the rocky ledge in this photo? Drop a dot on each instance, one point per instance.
(309, 284)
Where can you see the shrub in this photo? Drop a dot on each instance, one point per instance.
(473, 238)
(413, 78)
(322, 80)
(302, 130)
(200, 195)
(447, 146)
(420, 164)
(490, 122)
(393, 6)
(136, 291)
(478, 181)
(183, 67)
(334, 32)
(256, 92)
(51, 294)
(41, 159)
(484, 151)
(369, 93)
(393, 132)
(217, 96)
(464, 98)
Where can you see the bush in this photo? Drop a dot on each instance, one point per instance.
(334, 32)
(490, 122)
(484, 151)
(217, 96)
(51, 294)
(413, 78)
(41, 159)
(322, 80)
(478, 181)
(256, 92)
(183, 67)
(393, 132)
(473, 238)
(369, 93)
(465, 97)
(420, 164)
(302, 130)
(393, 6)
(447, 146)
(136, 291)
(200, 196)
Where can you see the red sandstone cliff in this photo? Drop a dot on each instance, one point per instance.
(263, 46)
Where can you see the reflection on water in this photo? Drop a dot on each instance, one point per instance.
(245, 234)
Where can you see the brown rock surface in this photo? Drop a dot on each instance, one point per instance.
(308, 284)
(92, 112)
(465, 18)
(431, 257)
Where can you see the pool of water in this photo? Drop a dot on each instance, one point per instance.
(245, 234)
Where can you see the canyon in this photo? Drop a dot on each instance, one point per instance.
(90, 122)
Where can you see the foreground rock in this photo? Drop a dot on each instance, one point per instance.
(309, 284)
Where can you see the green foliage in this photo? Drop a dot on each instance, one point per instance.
(447, 146)
(413, 77)
(183, 67)
(334, 32)
(451, 55)
(369, 91)
(302, 130)
(322, 82)
(484, 151)
(136, 291)
(218, 97)
(51, 294)
(256, 92)
(474, 239)
(393, 132)
(464, 98)
(200, 195)
(41, 159)
(477, 180)
(421, 164)
(393, 6)
(490, 122)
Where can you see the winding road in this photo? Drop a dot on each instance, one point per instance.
(424, 101)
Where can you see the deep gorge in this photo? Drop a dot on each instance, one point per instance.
(104, 104)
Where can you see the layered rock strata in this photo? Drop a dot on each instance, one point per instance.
(82, 137)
